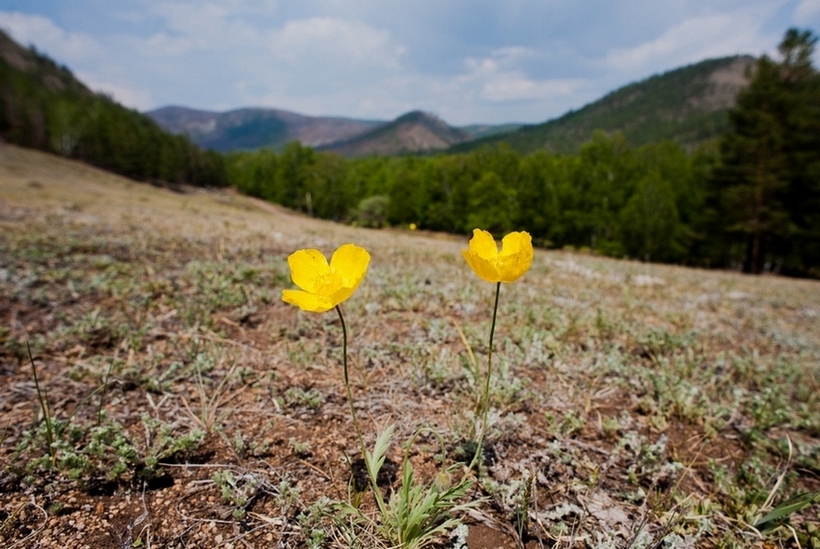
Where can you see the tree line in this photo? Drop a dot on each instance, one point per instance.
(46, 108)
(751, 201)
(611, 198)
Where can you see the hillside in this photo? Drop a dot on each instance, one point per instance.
(253, 128)
(414, 132)
(28, 61)
(686, 105)
(190, 406)
(44, 106)
(478, 131)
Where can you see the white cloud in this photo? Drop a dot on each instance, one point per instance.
(166, 44)
(499, 78)
(202, 26)
(516, 87)
(195, 19)
(48, 37)
(126, 95)
(332, 40)
(694, 39)
(807, 11)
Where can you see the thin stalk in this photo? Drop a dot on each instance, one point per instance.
(43, 404)
(376, 493)
(104, 391)
(485, 397)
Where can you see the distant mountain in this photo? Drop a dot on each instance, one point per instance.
(414, 132)
(254, 128)
(688, 105)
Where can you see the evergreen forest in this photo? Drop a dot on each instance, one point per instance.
(750, 201)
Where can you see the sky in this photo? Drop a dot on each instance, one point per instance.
(466, 61)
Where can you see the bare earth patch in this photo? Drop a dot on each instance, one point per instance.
(632, 405)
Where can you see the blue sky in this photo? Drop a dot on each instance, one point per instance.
(468, 61)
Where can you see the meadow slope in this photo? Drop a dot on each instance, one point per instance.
(632, 404)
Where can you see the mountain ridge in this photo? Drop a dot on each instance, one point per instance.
(412, 132)
(55, 78)
(256, 127)
(688, 105)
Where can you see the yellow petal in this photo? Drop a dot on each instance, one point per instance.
(306, 301)
(483, 245)
(482, 267)
(307, 267)
(516, 256)
(341, 295)
(350, 263)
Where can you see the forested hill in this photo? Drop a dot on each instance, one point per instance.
(688, 105)
(43, 106)
(414, 132)
(254, 128)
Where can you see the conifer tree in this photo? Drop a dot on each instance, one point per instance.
(765, 182)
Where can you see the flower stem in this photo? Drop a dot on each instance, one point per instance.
(484, 406)
(377, 494)
(347, 378)
(43, 406)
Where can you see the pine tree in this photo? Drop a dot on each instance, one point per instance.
(802, 151)
(764, 180)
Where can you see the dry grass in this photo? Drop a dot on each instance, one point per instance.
(633, 402)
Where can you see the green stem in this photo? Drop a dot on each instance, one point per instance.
(43, 405)
(485, 397)
(377, 493)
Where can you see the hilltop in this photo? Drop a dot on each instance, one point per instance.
(254, 128)
(414, 132)
(50, 75)
(688, 105)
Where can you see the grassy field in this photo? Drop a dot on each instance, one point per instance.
(174, 400)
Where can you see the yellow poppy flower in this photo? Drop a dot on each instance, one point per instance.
(491, 265)
(323, 285)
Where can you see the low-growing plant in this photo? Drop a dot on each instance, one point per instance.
(212, 400)
(313, 522)
(84, 451)
(297, 396)
(238, 491)
(301, 449)
(163, 443)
